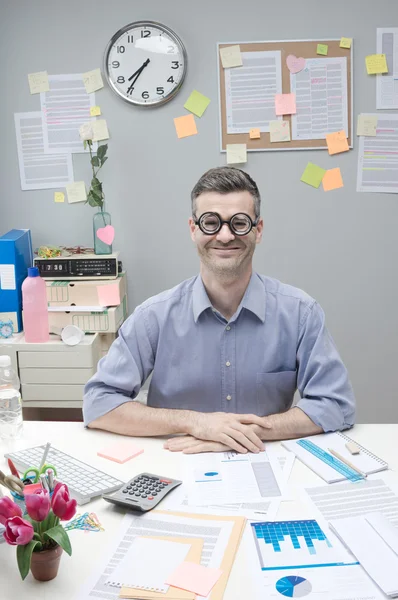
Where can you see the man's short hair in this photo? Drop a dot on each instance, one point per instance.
(225, 180)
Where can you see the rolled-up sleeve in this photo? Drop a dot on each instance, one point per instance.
(121, 373)
(326, 393)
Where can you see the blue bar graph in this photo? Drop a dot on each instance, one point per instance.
(301, 534)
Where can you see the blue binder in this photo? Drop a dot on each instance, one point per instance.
(15, 257)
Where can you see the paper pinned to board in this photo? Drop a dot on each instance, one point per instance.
(231, 56)
(322, 49)
(285, 104)
(345, 42)
(254, 133)
(93, 81)
(279, 131)
(337, 142)
(38, 82)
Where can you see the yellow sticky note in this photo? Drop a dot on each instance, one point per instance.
(376, 63)
(313, 175)
(100, 130)
(76, 192)
(93, 81)
(254, 134)
(95, 111)
(332, 180)
(231, 56)
(337, 142)
(185, 126)
(345, 42)
(279, 131)
(367, 125)
(59, 197)
(322, 49)
(236, 154)
(197, 103)
(285, 104)
(38, 82)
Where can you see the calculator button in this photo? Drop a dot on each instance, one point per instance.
(125, 491)
(159, 489)
(154, 494)
(137, 494)
(143, 495)
(150, 497)
(165, 481)
(131, 493)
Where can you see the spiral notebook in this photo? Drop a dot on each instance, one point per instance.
(365, 461)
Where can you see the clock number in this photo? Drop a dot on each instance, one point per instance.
(121, 49)
(145, 95)
(120, 79)
(130, 39)
(145, 33)
(175, 63)
(170, 50)
(160, 90)
(171, 79)
(116, 64)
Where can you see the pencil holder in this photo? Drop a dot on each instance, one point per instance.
(20, 500)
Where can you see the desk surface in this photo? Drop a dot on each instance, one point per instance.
(88, 548)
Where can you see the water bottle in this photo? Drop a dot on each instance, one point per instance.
(35, 308)
(10, 401)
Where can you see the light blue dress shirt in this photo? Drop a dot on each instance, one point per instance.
(275, 343)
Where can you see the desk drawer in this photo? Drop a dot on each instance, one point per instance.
(56, 376)
(51, 393)
(67, 360)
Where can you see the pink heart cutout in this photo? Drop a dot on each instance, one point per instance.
(294, 64)
(106, 234)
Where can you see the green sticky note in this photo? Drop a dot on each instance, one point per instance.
(322, 49)
(197, 103)
(313, 175)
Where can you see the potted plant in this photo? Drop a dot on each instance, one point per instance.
(102, 229)
(39, 536)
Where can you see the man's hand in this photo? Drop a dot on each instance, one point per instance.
(229, 430)
(187, 444)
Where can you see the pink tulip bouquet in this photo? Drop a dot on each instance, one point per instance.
(40, 529)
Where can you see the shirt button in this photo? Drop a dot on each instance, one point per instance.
(229, 397)
(228, 364)
(227, 328)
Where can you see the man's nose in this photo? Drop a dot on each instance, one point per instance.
(225, 235)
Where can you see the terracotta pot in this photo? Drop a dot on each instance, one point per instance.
(44, 565)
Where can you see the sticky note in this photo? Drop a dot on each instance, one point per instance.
(322, 49)
(231, 57)
(313, 175)
(285, 104)
(38, 82)
(236, 154)
(376, 63)
(254, 133)
(345, 42)
(197, 103)
(367, 125)
(279, 131)
(120, 452)
(108, 295)
(194, 578)
(185, 126)
(95, 111)
(93, 81)
(337, 142)
(332, 180)
(59, 197)
(76, 192)
(31, 489)
(100, 130)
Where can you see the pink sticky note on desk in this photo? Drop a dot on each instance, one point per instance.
(285, 104)
(108, 295)
(120, 452)
(194, 578)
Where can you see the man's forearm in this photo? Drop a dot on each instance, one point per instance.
(293, 423)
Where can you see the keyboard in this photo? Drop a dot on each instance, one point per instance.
(84, 482)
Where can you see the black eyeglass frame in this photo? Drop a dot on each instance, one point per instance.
(221, 223)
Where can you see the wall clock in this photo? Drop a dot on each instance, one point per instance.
(145, 63)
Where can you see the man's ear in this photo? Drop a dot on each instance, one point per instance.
(259, 231)
(192, 227)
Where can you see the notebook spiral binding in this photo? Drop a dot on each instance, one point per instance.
(364, 450)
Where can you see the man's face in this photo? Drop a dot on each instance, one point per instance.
(224, 253)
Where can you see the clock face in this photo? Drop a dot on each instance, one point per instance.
(145, 63)
(6, 330)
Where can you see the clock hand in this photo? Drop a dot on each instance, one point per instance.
(137, 74)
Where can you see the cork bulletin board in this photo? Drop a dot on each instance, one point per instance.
(299, 48)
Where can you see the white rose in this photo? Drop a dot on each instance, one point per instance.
(86, 132)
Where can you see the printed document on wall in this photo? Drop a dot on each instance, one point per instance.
(387, 84)
(321, 98)
(39, 170)
(65, 107)
(250, 91)
(378, 157)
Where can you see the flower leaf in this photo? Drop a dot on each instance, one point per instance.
(59, 535)
(103, 160)
(102, 151)
(24, 554)
(95, 161)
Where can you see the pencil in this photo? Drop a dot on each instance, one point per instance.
(43, 458)
(347, 462)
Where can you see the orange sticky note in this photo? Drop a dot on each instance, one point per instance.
(254, 134)
(108, 295)
(285, 104)
(185, 126)
(120, 452)
(194, 578)
(337, 142)
(332, 180)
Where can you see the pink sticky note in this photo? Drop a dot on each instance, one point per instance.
(108, 295)
(120, 452)
(285, 104)
(194, 578)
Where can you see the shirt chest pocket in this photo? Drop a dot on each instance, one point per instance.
(275, 391)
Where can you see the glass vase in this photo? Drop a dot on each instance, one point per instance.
(100, 220)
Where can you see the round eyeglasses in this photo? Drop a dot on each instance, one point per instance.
(211, 223)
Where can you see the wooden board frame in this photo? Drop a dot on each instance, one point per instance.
(306, 49)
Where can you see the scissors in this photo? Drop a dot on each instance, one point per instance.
(12, 483)
(33, 473)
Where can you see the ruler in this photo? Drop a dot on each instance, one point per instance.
(330, 460)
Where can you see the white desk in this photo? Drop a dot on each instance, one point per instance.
(88, 548)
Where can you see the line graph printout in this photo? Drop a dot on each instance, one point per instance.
(250, 91)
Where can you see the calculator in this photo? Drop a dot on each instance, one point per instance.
(143, 492)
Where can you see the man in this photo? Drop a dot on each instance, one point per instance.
(227, 349)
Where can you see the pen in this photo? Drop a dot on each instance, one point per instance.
(347, 462)
(13, 468)
(50, 479)
(43, 458)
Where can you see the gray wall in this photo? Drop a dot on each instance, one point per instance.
(340, 247)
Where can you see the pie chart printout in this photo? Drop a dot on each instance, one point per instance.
(293, 587)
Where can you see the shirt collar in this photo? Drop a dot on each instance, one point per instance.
(253, 299)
